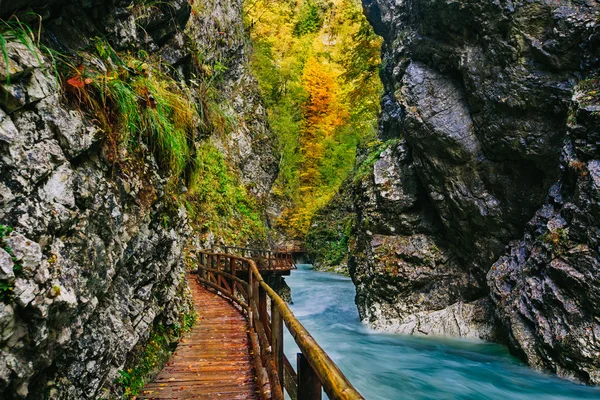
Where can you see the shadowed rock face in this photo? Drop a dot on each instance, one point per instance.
(482, 95)
(99, 265)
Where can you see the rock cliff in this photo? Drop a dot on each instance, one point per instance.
(478, 215)
(92, 244)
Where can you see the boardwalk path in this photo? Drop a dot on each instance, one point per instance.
(213, 361)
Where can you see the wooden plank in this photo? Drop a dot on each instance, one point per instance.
(290, 379)
(335, 384)
(213, 360)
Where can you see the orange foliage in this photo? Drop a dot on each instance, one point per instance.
(323, 114)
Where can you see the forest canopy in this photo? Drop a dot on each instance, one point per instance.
(317, 64)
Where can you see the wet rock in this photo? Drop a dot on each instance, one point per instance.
(483, 97)
(469, 320)
(545, 289)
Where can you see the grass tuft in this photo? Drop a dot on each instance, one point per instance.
(135, 102)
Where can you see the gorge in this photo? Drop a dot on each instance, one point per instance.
(444, 154)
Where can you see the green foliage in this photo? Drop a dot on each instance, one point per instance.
(133, 379)
(328, 238)
(309, 20)
(153, 355)
(5, 231)
(7, 286)
(318, 74)
(137, 101)
(218, 202)
(6, 291)
(361, 67)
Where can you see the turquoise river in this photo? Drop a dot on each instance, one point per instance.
(390, 367)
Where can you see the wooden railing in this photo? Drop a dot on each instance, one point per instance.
(315, 370)
(265, 260)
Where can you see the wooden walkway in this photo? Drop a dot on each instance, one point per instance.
(213, 360)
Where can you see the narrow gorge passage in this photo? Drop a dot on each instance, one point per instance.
(213, 359)
(443, 154)
(387, 366)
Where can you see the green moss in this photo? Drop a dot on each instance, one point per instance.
(217, 202)
(153, 355)
(364, 169)
(7, 286)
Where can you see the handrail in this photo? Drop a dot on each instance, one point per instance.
(315, 370)
(268, 259)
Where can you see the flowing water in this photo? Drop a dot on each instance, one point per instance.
(384, 366)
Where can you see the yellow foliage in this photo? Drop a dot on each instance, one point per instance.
(301, 61)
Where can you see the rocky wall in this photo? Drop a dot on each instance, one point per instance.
(94, 261)
(485, 97)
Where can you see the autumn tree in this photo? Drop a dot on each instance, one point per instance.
(316, 62)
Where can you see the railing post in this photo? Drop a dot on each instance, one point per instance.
(250, 296)
(232, 272)
(277, 341)
(309, 386)
(262, 310)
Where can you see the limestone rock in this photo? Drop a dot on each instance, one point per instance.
(26, 252)
(498, 139)
(29, 89)
(100, 269)
(25, 291)
(73, 134)
(469, 320)
(6, 265)
(8, 131)
(7, 321)
(22, 59)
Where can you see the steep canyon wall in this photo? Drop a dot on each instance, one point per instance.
(478, 216)
(95, 259)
